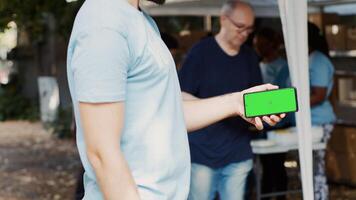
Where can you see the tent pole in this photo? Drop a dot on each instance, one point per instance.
(207, 23)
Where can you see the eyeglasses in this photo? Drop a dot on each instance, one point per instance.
(241, 27)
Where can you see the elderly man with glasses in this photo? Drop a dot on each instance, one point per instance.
(221, 154)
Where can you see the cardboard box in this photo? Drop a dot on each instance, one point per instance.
(332, 168)
(347, 166)
(336, 36)
(351, 38)
(322, 20)
(343, 140)
(341, 168)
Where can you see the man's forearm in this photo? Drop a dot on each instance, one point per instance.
(103, 124)
(114, 177)
(200, 113)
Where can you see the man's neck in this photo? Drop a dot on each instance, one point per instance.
(134, 3)
(226, 46)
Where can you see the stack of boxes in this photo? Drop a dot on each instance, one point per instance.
(322, 20)
(339, 36)
(336, 36)
(351, 38)
(341, 150)
(341, 155)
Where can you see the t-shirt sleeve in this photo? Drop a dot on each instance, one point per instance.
(256, 74)
(319, 72)
(99, 65)
(189, 75)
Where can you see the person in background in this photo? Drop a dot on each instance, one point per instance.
(221, 154)
(274, 67)
(321, 72)
(274, 70)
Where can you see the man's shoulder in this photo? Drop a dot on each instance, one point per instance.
(203, 44)
(95, 15)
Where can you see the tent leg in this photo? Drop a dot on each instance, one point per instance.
(207, 23)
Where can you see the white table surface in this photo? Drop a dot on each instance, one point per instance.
(284, 148)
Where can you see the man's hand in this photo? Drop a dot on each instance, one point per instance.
(256, 121)
(200, 113)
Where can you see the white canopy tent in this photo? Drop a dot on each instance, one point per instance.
(294, 21)
(263, 8)
(206, 7)
(293, 15)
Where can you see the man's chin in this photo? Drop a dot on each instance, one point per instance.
(237, 43)
(160, 2)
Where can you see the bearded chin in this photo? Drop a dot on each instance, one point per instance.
(160, 2)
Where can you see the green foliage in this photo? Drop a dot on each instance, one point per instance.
(32, 15)
(14, 106)
(62, 126)
(17, 108)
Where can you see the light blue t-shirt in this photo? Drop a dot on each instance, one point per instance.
(116, 54)
(276, 72)
(321, 72)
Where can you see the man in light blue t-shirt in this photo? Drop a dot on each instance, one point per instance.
(131, 121)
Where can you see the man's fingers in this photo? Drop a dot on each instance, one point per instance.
(267, 86)
(275, 118)
(263, 87)
(269, 121)
(258, 123)
(282, 115)
(270, 86)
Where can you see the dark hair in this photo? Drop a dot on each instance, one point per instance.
(170, 41)
(316, 40)
(269, 34)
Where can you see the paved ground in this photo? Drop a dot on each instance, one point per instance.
(34, 165)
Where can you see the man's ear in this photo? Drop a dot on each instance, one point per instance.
(222, 18)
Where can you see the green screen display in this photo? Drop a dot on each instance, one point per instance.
(270, 102)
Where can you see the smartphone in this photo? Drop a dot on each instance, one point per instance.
(270, 102)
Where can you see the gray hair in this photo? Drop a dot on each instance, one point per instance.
(230, 5)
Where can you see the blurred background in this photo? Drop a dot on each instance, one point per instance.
(38, 157)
